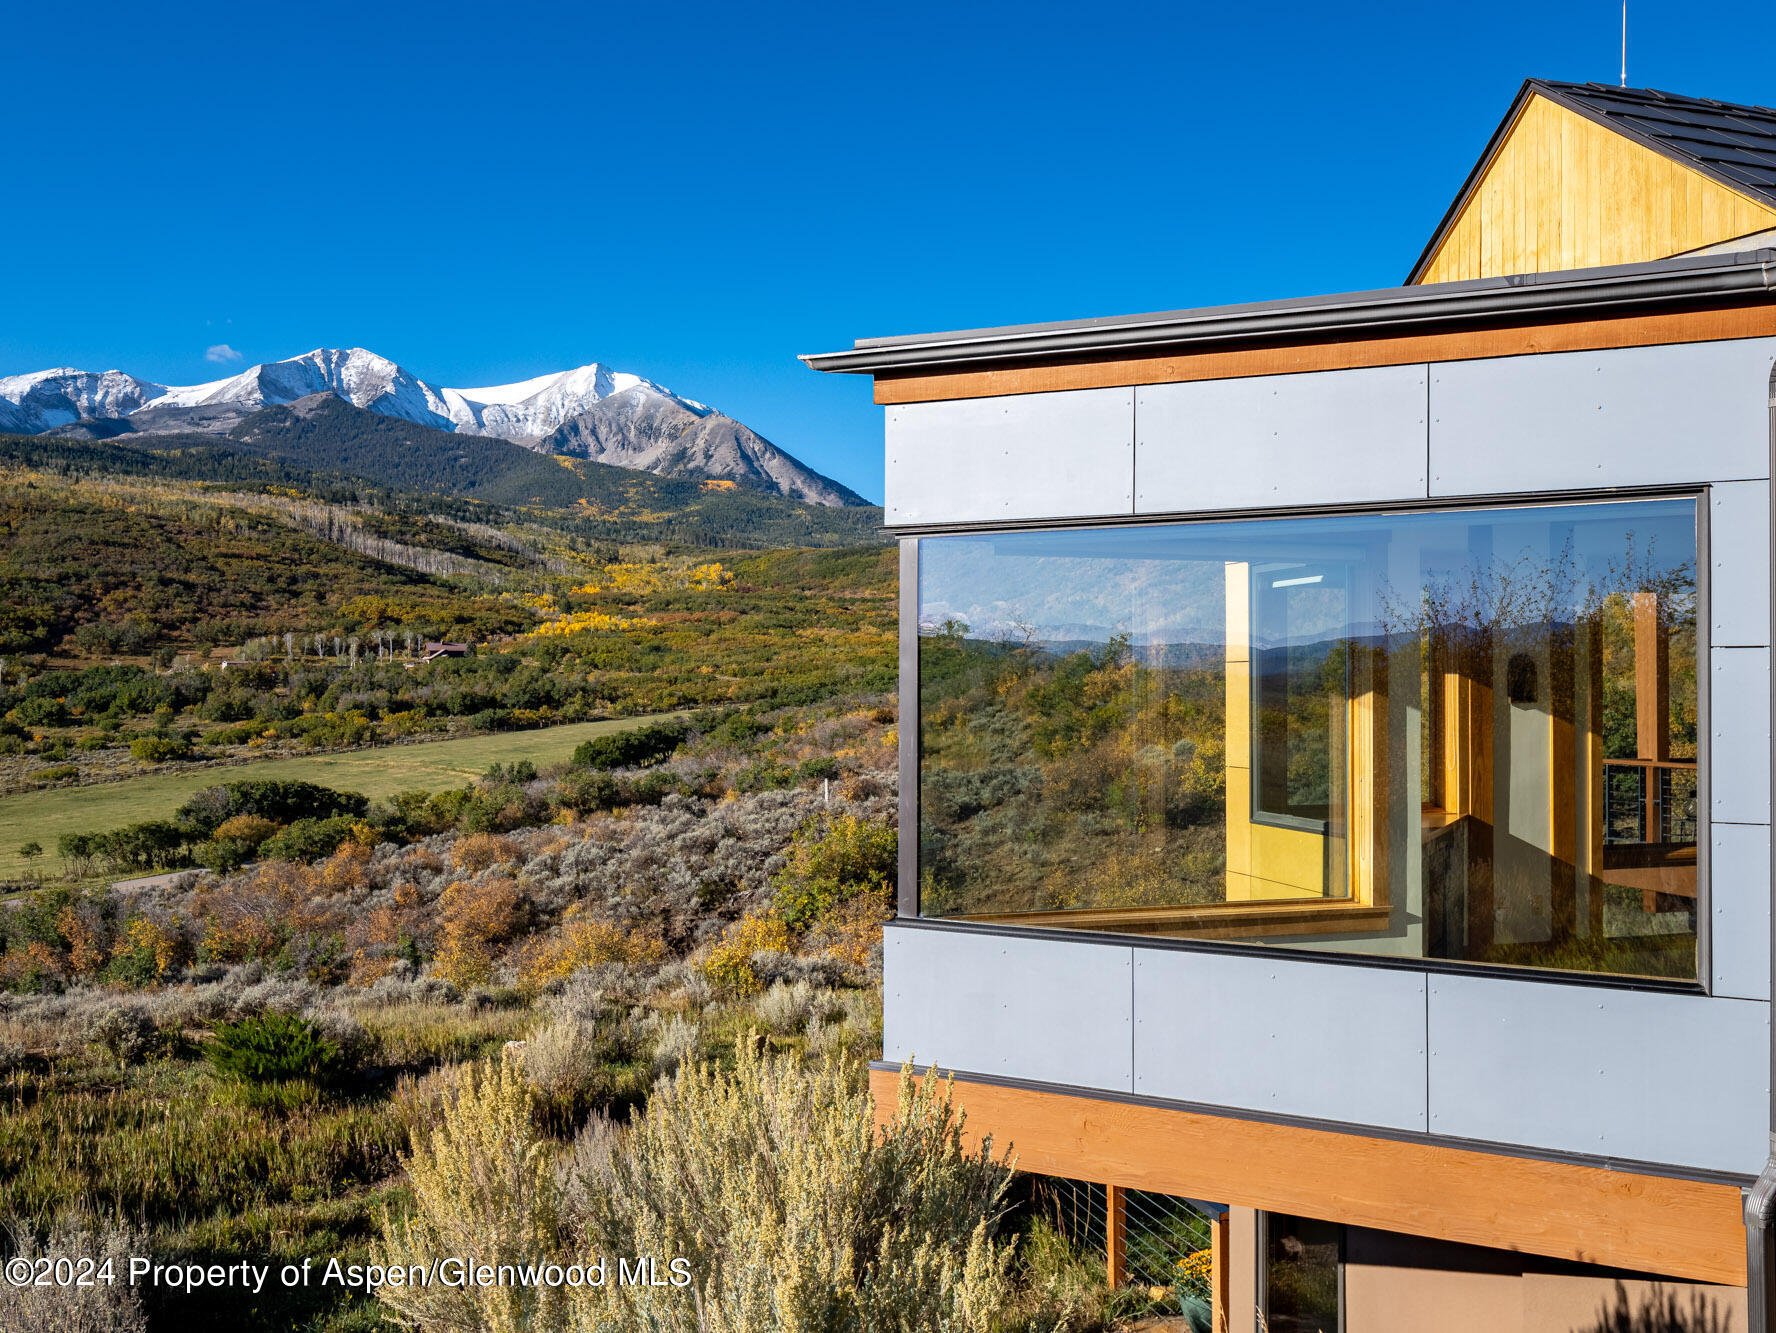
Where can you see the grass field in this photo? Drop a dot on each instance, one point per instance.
(43, 816)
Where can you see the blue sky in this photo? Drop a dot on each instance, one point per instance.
(697, 193)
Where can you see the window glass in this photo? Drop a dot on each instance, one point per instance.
(1303, 1292)
(1466, 735)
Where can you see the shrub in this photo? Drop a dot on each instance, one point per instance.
(146, 952)
(125, 1032)
(223, 855)
(482, 851)
(282, 802)
(676, 1045)
(275, 1047)
(595, 790)
(791, 1209)
(794, 1211)
(834, 861)
(786, 1007)
(143, 846)
(482, 1185)
(737, 730)
(578, 1064)
(160, 749)
(476, 916)
(308, 840)
(850, 931)
(587, 944)
(729, 964)
(632, 749)
(101, 1307)
(250, 829)
(765, 775)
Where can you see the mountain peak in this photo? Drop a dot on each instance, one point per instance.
(594, 410)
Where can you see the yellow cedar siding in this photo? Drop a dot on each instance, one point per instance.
(1564, 192)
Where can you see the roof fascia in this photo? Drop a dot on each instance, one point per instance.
(1741, 277)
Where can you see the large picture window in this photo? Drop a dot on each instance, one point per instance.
(1465, 735)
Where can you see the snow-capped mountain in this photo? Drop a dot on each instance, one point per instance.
(31, 404)
(539, 413)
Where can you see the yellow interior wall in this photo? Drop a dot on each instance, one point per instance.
(1564, 192)
(1262, 861)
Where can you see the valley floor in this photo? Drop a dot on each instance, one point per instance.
(43, 816)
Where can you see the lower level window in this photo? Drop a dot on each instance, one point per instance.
(1468, 735)
(1301, 1265)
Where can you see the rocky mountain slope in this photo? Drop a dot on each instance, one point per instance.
(592, 411)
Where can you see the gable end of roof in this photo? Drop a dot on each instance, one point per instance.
(1730, 144)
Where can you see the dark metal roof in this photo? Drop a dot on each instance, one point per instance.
(1664, 284)
(1732, 144)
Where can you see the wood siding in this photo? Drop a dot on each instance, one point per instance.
(1564, 192)
(1653, 1224)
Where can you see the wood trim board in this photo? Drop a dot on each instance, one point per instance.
(1648, 1223)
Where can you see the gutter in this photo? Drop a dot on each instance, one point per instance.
(1666, 284)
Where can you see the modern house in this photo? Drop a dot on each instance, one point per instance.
(1336, 747)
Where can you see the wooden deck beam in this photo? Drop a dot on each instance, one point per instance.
(1590, 1214)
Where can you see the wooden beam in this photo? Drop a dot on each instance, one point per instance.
(1289, 358)
(1220, 1245)
(1589, 1214)
(1116, 1234)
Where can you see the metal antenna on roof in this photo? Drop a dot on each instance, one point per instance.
(1624, 43)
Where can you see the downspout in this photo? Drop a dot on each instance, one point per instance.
(1760, 1199)
(1760, 1246)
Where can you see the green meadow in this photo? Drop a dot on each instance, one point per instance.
(43, 816)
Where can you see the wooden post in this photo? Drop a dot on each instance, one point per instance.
(1652, 678)
(1220, 1266)
(1116, 1234)
(1563, 775)
(1652, 683)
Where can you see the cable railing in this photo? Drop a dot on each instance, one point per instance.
(1649, 801)
(1159, 1242)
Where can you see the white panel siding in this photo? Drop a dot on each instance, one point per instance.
(1044, 455)
(1327, 437)
(1054, 1011)
(1282, 1036)
(1739, 887)
(1643, 1076)
(1739, 735)
(1739, 563)
(1631, 416)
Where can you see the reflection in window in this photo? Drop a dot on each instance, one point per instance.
(1303, 1288)
(1300, 682)
(1456, 735)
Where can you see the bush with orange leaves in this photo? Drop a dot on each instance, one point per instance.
(245, 918)
(86, 944)
(850, 930)
(235, 935)
(476, 916)
(584, 944)
(344, 870)
(35, 967)
(482, 851)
